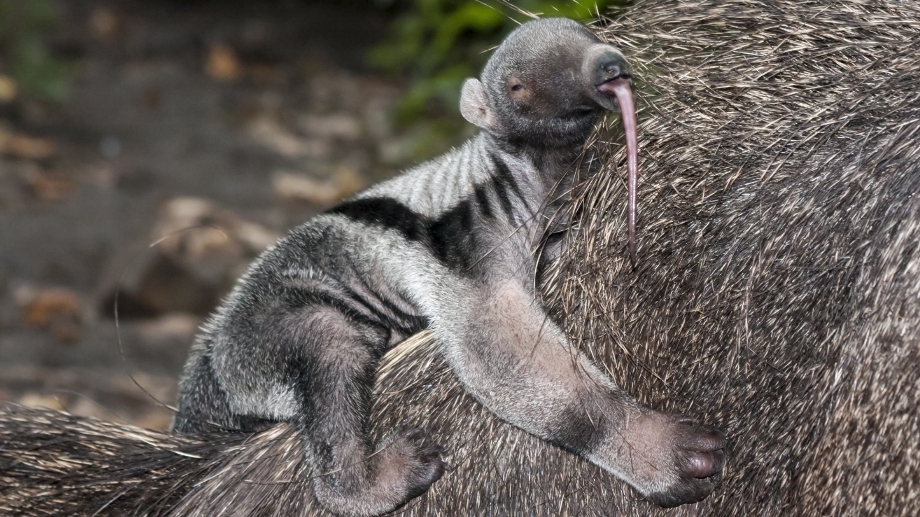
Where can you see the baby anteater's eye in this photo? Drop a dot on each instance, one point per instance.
(518, 93)
(514, 83)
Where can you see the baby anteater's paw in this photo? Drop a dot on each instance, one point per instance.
(698, 453)
(415, 457)
(424, 461)
(403, 467)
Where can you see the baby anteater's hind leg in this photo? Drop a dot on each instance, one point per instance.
(334, 380)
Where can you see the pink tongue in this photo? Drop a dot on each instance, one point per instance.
(620, 89)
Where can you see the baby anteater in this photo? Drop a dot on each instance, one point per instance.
(448, 246)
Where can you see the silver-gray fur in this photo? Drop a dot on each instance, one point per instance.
(451, 245)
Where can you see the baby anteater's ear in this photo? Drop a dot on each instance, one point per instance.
(474, 105)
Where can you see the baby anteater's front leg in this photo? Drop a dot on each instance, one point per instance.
(519, 364)
(333, 378)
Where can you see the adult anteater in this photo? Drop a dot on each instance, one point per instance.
(776, 293)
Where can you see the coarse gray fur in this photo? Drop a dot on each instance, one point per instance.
(453, 245)
(776, 294)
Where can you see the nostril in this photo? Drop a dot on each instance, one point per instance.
(611, 68)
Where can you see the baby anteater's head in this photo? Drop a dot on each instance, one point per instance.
(545, 85)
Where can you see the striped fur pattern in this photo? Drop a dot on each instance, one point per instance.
(451, 245)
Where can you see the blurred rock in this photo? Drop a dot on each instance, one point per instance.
(158, 419)
(198, 251)
(222, 63)
(132, 405)
(8, 88)
(157, 389)
(49, 186)
(38, 400)
(336, 91)
(300, 188)
(378, 118)
(84, 406)
(57, 310)
(338, 125)
(257, 33)
(152, 97)
(265, 74)
(271, 134)
(106, 24)
(22, 146)
(110, 146)
(135, 181)
(171, 326)
(94, 393)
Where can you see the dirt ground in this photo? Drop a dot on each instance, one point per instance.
(242, 116)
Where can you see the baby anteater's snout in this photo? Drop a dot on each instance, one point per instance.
(604, 63)
(608, 66)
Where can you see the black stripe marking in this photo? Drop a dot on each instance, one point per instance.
(502, 193)
(576, 430)
(385, 213)
(450, 237)
(503, 175)
(368, 306)
(376, 302)
(482, 199)
(298, 298)
(387, 311)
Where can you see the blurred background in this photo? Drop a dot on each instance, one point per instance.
(150, 149)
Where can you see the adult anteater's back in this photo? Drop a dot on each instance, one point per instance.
(777, 289)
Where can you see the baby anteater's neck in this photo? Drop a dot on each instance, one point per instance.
(548, 171)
